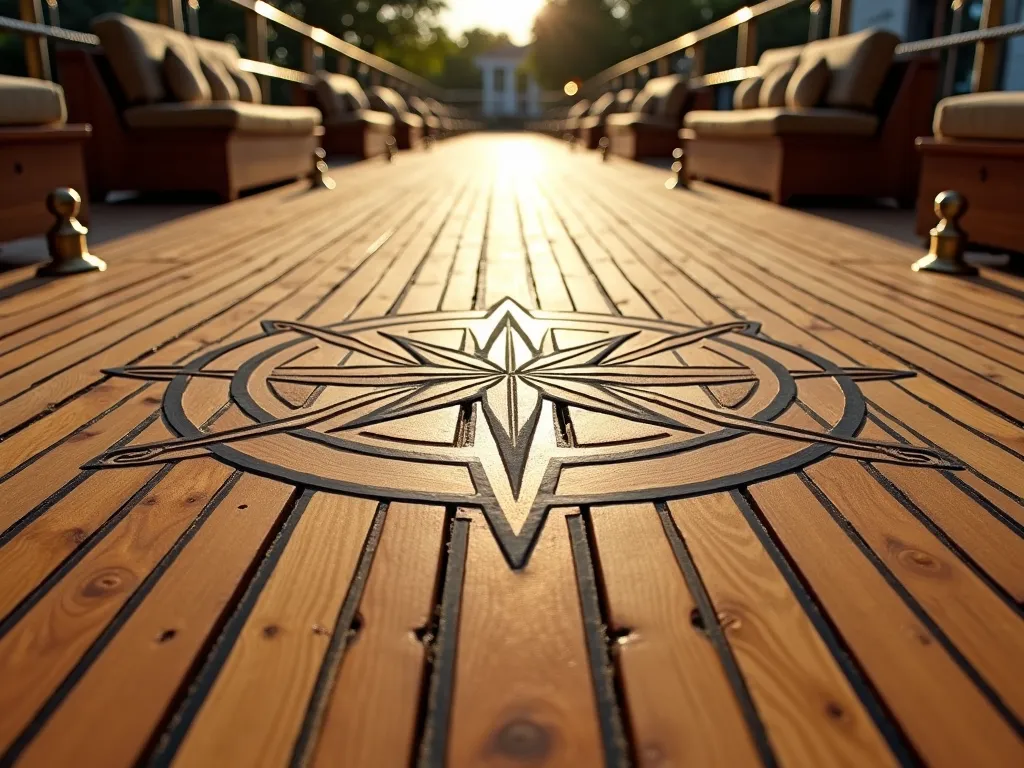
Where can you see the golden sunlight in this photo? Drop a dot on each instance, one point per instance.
(513, 17)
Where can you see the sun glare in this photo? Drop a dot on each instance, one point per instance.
(514, 17)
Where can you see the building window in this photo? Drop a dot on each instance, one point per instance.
(499, 79)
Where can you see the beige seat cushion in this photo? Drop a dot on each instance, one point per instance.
(245, 118)
(27, 101)
(745, 96)
(773, 89)
(420, 107)
(809, 83)
(184, 74)
(780, 121)
(996, 116)
(857, 64)
(339, 95)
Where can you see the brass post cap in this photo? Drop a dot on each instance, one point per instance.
(66, 241)
(947, 241)
(64, 202)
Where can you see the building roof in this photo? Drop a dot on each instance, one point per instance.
(508, 51)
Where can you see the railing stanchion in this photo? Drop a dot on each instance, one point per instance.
(37, 55)
(746, 45)
(696, 56)
(665, 66)
(256, 45)
(840, 17)
(988, 54)
(168, 13)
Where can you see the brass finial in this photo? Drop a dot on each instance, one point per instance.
(603, 145)
(946, 253)
(318, 178)
(69, 251)
(392, 147)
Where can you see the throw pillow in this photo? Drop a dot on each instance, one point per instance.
(746, 93)
(222, 86)
(808, 85)
(184, 76)
(248, 86)
(773, 89)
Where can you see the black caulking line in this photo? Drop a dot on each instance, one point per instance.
(172, 739)
(434, 744)
(717, 637)
(915, 607)
(345, 629)
(613, 738)
(100, 644)
(873, 703)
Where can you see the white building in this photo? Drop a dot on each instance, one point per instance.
(502, 95)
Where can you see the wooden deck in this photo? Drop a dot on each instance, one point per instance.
(501, 455)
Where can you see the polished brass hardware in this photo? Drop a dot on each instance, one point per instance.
(69, 251)
(946, 253)
(679, 169)
(392, 148)
(604, 144)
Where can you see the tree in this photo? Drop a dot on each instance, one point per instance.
(574, 40)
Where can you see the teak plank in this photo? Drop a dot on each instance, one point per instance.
(269, 674)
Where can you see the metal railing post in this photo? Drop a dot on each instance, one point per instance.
(988, 54)
(256, 45)
(746, 45)
(840, 17)
(665, 66)
(37, 55)
(696, 55)
(168, 13)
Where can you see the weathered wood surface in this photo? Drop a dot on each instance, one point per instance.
(845, 610)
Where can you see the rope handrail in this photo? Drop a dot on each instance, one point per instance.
(45, 30)
(1002, 32)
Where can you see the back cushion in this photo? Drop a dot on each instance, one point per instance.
(248, 86)
(135, 50)
(776, 57)
(602, 105)
(746, 93)
(183, 73)
(419, 106)
(773, 89)
(579, 109)
(858, 64)
(669, 93)
(387, 100)
(339, 95)
(222, 85)
(809, 83)
(224, 59)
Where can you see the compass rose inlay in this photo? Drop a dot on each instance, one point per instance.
(515, 411)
